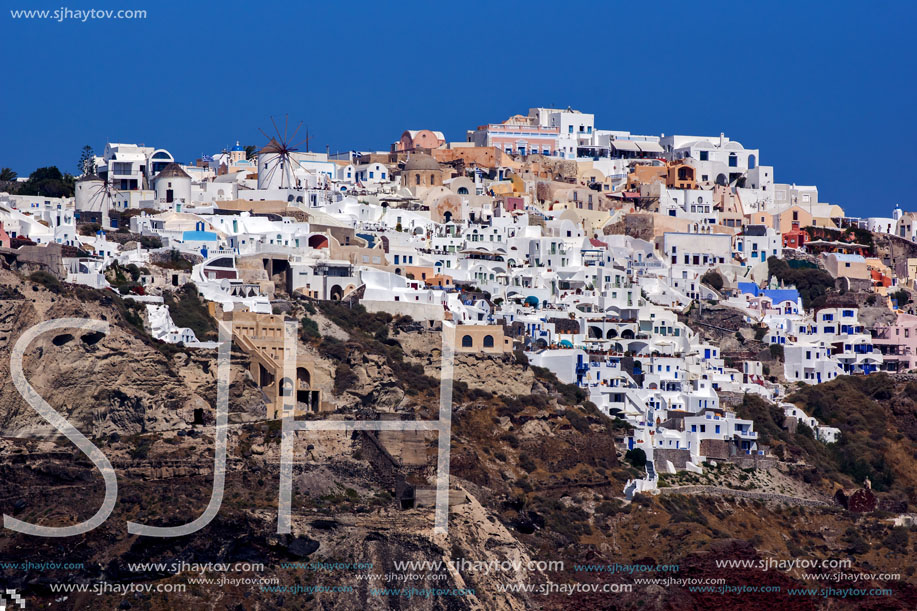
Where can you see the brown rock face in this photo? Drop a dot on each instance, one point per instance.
(103, 384)
(858, 501)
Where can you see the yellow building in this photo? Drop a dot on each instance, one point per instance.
(486, 339)
(261, 337)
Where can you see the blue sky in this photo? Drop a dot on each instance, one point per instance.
(826, 91)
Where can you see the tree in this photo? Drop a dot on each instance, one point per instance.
(7, 175)
(48, 182)
(87, 163)
(713, 280)
(250, 151)
(637, 457)
(902, 297)
(811, 282)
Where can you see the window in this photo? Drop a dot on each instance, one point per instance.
(733, 160)
(417, 179)
(488, 341)
(370, 174)
(704, 156)
(466, 341)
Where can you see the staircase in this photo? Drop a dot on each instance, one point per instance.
(651, 472)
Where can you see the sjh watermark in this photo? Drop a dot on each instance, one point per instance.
(443, 426)
(64, 13)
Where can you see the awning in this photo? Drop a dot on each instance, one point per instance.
(650, 147)
(625, 145)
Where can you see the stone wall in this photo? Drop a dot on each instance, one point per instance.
(715, 449)
(679, 458)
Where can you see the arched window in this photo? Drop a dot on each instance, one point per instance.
(488, 341)
(463, 190)
(303, 377)
(432, 179)
(733, 160)
(466, 341)
(416, 179)
(751, 162)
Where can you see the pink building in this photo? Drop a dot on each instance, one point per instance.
(517, 135)
(511, 204)
(4, 237)
(898, 343)
(419, 139)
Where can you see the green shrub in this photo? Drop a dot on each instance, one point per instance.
(46, 279)
(344, 378)
(577, 420)
(188, 310)
(142, 449)
(526, 463)
(310, 329)
(812, 283)
(902, 297)
(175, 260)
(713, 279)
(636, 457)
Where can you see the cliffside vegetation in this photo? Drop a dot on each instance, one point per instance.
(811, 282)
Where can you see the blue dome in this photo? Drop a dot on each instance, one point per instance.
(238, 147)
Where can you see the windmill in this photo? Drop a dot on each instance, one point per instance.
(96, 194)
(277, 160)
